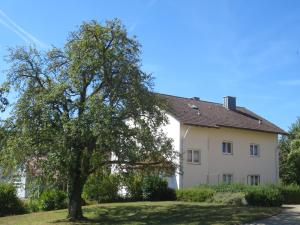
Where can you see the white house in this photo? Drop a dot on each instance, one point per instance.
(221, 143)
(218, 143)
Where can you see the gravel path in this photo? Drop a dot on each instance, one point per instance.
(290, 216)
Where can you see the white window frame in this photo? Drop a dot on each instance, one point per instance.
(226, 144)
(258, 150)
(251, 179)
(225, 178)
(193, 160)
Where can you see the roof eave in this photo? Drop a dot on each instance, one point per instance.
(219, 126)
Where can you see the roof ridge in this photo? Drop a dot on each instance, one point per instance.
(243, 117)
(191, 98)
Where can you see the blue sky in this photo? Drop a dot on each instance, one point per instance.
(209, 49)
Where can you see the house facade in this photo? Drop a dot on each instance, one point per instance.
(221, 143)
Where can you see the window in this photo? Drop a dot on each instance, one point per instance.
(193, 156)
(254, 150)
(227, 178)
(227, 147)
(254, 179)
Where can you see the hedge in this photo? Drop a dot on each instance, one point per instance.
(194, 194)
(266, 196)
(10, 204)
(291, 194)
(52, 200)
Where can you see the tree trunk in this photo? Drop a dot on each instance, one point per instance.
(75, 200)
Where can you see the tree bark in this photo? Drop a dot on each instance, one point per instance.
(75, 200)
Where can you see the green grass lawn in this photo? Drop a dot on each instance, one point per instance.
(148, 213)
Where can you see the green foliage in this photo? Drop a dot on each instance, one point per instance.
(73, 108)
(289, 156)
(134, 185)
(102, 187)
(52, 200)
(9, 202)
(229, 198)
(156, 188)
(266, 196)
(32, 205)
(194, 194)
(234, 187)
(291, 194)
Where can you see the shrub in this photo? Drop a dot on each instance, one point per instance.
(52, 199)
(32, 205)
(228, 198)
(232, 188)
(264, 196)
(291, 194)
(156, 188)
(194, 194)
(9, 202)
(134, 186)
(102, 187)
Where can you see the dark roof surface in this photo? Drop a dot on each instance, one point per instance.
(209, 114)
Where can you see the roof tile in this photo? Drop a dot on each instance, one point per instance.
(210, 114)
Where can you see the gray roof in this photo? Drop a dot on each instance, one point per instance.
(196, 112)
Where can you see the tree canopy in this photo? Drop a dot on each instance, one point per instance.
(83, 107)
(290, 155)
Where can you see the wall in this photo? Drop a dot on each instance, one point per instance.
(172, 130)
(214, 163)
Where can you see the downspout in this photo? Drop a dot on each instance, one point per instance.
(277, 162)
(181, 152)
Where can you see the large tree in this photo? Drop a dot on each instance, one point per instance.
(83, 107)
(290, 155)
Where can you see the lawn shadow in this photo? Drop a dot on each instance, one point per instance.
(169, 214)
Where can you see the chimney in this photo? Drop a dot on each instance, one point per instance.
(230, 103)
(196, 98)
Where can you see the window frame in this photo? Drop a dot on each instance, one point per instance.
(199, 156)
(226, 175)
(249, 179)
(227, 142)
(258, 150)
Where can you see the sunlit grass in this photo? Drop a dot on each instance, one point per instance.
(148, 213)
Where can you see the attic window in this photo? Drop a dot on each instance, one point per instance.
(193, 106)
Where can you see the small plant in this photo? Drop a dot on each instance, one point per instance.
(291, 194)
(228, 198)
(102, 187)
(52, 200)
(156, 188)
(32, 205)
(195, 194)
(9, 202)
(266, 196)
(232, 188)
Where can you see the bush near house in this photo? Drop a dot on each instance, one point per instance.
(291, 194)
(237, 194)
(9, 202)
(195, 194)
(228, 198)
(156, 188)
(52, 200)
(267, 196)
(32, 205)
(102, 187)
(231, 188)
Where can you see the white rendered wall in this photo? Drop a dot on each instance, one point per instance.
(240, 164)
(172, 130)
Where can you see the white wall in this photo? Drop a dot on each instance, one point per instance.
(214, 163)
(172, 130)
